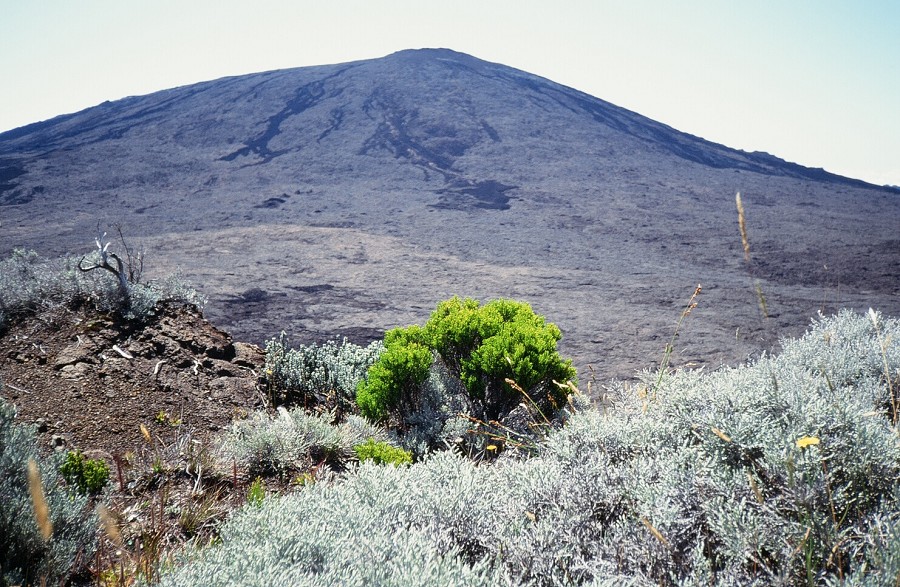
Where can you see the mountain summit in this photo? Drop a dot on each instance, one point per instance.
(346, 199)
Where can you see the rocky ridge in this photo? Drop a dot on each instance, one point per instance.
(90, 382)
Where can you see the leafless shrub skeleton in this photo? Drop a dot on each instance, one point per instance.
(127, 273)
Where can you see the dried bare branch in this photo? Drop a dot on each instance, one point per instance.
(105, 256)
(134, 260)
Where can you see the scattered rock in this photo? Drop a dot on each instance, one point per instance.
(248, 355)
(180, 365)
(74, 353)
(75, 372)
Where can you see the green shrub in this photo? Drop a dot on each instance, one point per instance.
(705, 484)
(25, 557)
(513, 343)
(393, 379)
(382, 453)
(484, 346)
(325, 374)
(89, 476)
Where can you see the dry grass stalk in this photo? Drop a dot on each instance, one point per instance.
(487, 429)
(873, 316)
(745, 242)
(802, 543)
(41, 510)
(656, 533)
(762, 299)
(118, 460)
(667, 354)
(110, 526)
(518, 388)
(755, 488)
(146, 434)
(720, 434)
(110, 578)
(742, 224)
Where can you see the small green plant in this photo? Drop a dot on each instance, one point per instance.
(158, 467)
(257, 492)
(382, 453)
(89, 476)
(163, 418)
(304, 479)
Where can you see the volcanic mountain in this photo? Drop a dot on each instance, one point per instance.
(343, 200)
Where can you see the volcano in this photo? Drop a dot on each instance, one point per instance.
(342, 200)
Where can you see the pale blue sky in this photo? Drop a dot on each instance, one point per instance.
(815, 82)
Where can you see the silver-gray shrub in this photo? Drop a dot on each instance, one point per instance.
(319, 374)
(438, 420)
(30, 283)
(294, 440)
(443, 416)
(25, 558)
(702, 483)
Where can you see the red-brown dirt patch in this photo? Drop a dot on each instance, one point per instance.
(90, 381)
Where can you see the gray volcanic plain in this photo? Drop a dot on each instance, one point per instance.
(346, 199)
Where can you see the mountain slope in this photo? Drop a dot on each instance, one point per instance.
(346, 199)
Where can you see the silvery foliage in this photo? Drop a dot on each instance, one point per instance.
(29, 283)
(25, 557)
(145, 297)
(439, 421)
(324, 374)
(294, 440)
(699, 482)
(444, 417)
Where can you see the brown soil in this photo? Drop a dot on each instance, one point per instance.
(90, 381)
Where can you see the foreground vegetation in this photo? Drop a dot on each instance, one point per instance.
(784, 471)
(485, 466)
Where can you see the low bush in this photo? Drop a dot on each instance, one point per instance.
(500, 341)
(30, 283)
(392, 383)
(319, 374)
(782, 472)
(382, 453)
(88, 476)
(26, 558)
(471, 373)
(293, 441)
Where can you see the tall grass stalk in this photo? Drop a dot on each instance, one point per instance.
(745, 243)
(667, 354)
(41, 510)
(742, 224)
(873, 316)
